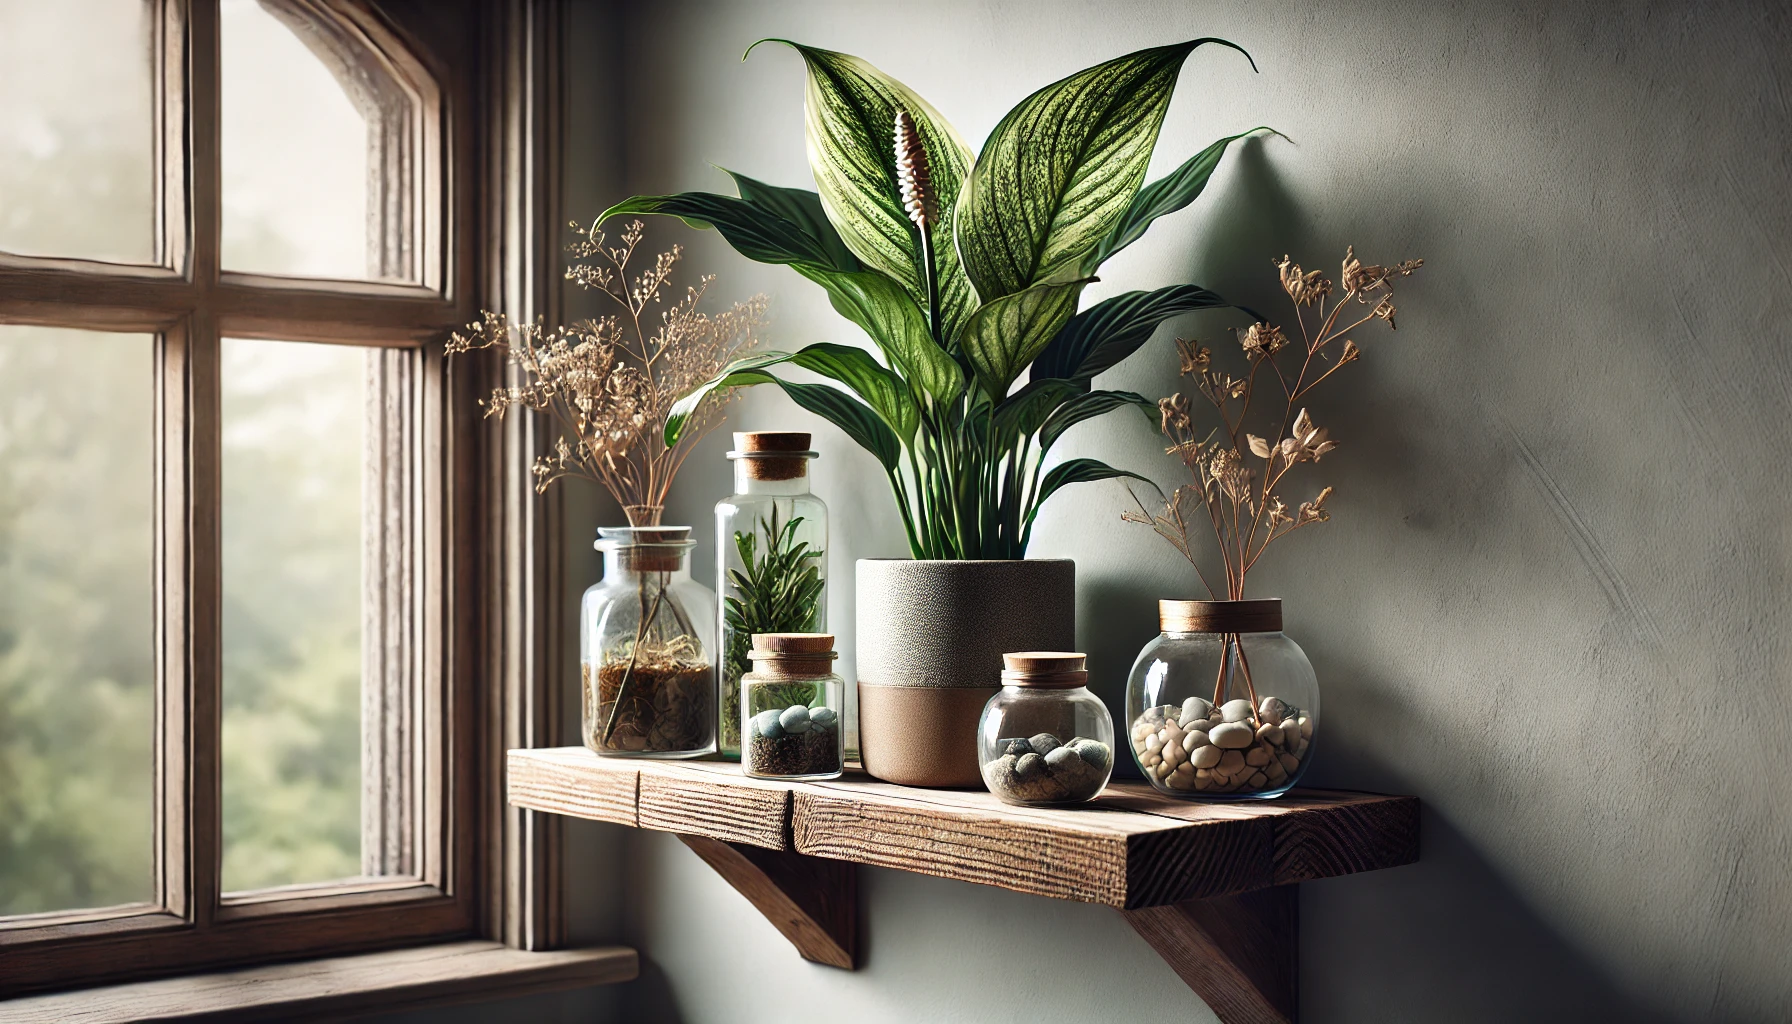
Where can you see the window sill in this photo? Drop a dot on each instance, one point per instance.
(404, 979)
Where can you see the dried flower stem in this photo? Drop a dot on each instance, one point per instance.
(609, 383)
(1244, 509)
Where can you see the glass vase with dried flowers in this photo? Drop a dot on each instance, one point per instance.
(1222, 703)
(646, 636)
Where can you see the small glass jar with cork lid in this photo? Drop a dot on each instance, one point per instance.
(791, 708)
(771, 554)
(1045, 739)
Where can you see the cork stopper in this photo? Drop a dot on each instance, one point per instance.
(1044, 669)
(773, 454)
(792, 654)
(1259, 616)
(793, 643)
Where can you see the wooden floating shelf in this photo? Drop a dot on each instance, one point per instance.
(1209, 885)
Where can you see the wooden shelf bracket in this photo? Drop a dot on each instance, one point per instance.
(812, 901)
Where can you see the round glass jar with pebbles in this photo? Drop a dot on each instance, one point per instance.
(645, 648)
(1045, 739)
(790, 708)
(1222, 704)
(772, 562)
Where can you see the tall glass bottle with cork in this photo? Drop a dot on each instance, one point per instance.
(772, 564)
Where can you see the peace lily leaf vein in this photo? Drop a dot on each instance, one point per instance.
(965, 270)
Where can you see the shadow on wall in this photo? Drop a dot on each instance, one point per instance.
(1486, 954)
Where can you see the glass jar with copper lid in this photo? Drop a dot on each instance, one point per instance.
(791, 708)
(1045, 739)
(1222, 704)
(771, 554)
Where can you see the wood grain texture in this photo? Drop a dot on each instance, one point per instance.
(407, 979)
(676, 800)
(812, 901)
(1130, 848)
(562, 781)
(1240, 953)
(1317, 833)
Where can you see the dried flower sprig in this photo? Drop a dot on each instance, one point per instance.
(610, 382)
(1240, 501)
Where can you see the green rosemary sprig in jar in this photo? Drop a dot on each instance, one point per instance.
(778, 590)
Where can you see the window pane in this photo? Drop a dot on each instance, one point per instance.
(293, 417)
(77, 662)
(76, 132)
(295, 154)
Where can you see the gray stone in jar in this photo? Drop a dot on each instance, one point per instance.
(795, 719)
(1236, 710)
(1095, 752)
(1063, 759)
(824, 718)
(1044, 743)
(766, 724)
(1205, 757)
(1015, 747)
(1232, 735)
(999, 774)
(1029, 767)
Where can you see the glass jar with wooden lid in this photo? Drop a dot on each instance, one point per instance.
(645, 648)
(771, 555)
(1222, 704)
(791, 708)
(1045, 739)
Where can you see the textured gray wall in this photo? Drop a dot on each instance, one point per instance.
(1553, 598)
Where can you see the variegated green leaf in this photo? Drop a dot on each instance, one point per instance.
(802, 208)
(1167, 194)
(1004, 335)
(754, 231)
(882, 390)
(1061, 169)
(1089, 406)
(1102, 335)
(1075, 471)
(895, 323)
(850, 119)
(853, 417)
(1025, 411)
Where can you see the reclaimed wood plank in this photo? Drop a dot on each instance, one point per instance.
(574, 781)
(1131, 848)
(1094, 854)
(681, 797)
(1318, 833)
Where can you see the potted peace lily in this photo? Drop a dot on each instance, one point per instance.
(966, 271)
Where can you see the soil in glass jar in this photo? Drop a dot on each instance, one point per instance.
(666, 705)
(785, 736)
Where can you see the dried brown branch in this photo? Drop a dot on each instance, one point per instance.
(609, 383)
(1243, 507)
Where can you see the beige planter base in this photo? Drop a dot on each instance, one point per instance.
(922, 735)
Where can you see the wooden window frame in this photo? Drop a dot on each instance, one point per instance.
(484, 161)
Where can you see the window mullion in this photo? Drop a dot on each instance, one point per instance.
(204, 454)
